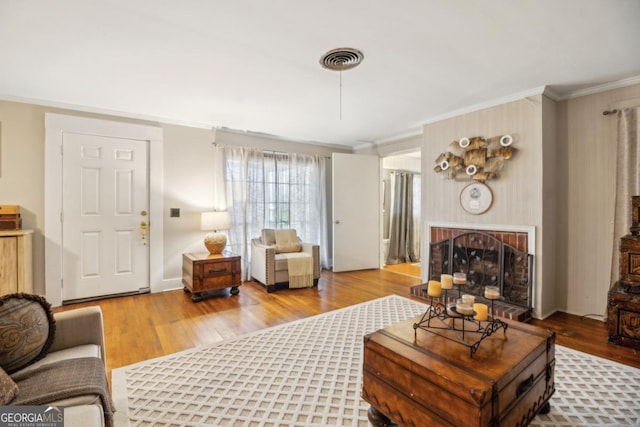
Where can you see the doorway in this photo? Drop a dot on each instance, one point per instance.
(401, 211)
(101, 136)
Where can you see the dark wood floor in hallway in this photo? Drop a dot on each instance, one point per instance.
(145, 326)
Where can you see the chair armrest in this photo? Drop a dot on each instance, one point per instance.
(313, 250)
(263, 262)
(77, 327)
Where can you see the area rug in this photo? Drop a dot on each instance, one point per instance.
(309, 373)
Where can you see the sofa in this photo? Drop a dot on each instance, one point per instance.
(270, 259)
(54, 360)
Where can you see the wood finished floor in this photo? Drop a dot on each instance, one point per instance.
(408, 268)
(145, 326)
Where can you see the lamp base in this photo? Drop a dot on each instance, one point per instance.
(215, 242)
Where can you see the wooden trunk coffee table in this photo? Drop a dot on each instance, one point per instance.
(417, 378)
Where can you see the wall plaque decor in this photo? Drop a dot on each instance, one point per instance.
(476, 198)
(476, 158)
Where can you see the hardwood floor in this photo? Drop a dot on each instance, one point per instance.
(408, 268)
(145, 326)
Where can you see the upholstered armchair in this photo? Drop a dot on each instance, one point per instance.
(284, 261)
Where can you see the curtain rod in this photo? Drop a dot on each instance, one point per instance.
(607, 112)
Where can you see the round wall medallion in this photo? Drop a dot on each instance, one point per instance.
(476, 198)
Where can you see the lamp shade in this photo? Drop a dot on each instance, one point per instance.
(218, 220)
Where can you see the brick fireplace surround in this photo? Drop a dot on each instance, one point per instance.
(521, 238)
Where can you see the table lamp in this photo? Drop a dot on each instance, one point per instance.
(215, 222)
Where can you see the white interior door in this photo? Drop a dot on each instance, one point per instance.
(105, 204)
(356, 212)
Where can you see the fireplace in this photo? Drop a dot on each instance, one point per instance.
(490, 256)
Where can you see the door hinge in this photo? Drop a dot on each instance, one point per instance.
(61, 216)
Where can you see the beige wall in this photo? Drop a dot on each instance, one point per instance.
(570, 203)
(562, 181)
(187, 179)
(518, 191)
(586, 217)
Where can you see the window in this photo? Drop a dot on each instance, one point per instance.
(282, 190)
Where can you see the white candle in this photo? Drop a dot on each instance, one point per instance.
(491, 292)
(447, 281)
(463, 308)
(459, 278)
(434, 288)
(468, 299)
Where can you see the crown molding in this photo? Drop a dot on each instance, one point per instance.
(603, 87)
(105, 111)
(487, 104)
(158, 119)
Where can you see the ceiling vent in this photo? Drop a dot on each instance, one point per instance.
(344, 58)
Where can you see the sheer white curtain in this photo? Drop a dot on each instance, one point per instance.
(308, 201)
(273, 190)
(627, 179)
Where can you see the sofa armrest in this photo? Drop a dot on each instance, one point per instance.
(263, 263)
(77, 327)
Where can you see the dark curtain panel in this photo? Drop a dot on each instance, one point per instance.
(401, 234)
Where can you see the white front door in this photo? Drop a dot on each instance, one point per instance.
(356, 212)
(105, 205)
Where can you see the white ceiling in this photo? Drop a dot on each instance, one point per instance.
(253, 65)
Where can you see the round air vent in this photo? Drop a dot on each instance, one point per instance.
(344, 58)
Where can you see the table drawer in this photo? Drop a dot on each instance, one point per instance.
(215, 270)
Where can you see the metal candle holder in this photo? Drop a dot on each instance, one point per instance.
(438, 312)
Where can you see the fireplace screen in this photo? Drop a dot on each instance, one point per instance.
(487, 262)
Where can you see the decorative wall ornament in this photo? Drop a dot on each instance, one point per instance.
(475, 158)
(476, 198)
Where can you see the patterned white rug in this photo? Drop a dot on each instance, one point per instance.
(309, 373)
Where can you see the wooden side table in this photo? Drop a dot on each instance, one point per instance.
(203, 272)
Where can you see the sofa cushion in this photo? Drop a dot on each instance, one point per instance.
(83, 416)
(8, 388)
(84, 350)
(27, 330)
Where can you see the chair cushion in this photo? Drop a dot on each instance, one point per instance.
(27, 330)
(287, 241)
(268, 236)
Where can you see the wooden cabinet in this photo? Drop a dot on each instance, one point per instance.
(623, 315)
(16, 266)
(203, 272)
